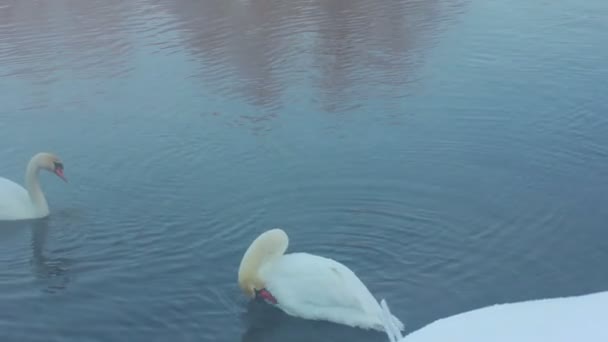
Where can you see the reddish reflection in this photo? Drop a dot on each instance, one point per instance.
(344, 47)
(347, 51)
(37, 38)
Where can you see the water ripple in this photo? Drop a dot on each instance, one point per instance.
(441, 149)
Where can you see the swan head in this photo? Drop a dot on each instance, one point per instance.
(50, 162)
(266, 247)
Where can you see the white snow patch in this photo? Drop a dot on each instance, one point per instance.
(567, 319)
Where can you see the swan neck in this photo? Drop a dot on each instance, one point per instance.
(32, 184)
(266, 248)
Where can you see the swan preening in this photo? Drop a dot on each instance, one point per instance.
(318, 288)
(308, 286)
(566, 319)
(19, 203)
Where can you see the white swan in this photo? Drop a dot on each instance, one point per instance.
(17, 203)
(307, 286)
(579, 318)
(394, 334)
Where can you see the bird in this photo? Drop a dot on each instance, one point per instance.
(19, 203)
(307, 286)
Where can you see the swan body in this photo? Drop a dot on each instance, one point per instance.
(19, 203)
(566, 319)
(308, 286)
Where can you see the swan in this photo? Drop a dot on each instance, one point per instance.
(565, 319)
(393, 333)
(17, 203)
(306, 285)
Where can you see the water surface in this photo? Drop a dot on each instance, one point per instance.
(453, 153)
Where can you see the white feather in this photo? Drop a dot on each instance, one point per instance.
(22, 203)
(393, 332)
(319, 288)
(15, 202)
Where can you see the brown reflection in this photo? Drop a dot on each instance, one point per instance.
(348, 51)
(259, 48)
(87, 37)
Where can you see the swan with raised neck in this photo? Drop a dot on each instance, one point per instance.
(16, 202)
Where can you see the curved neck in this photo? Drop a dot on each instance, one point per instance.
(32, 185)
(267, 247)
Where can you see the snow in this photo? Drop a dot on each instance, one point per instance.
(572, 319)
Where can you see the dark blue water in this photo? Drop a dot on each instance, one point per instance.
(454, 154)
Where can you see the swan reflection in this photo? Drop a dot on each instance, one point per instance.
(264, 323)
(51, 272)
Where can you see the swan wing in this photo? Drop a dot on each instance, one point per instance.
(392, 330)
(14, 200)
(315, 287)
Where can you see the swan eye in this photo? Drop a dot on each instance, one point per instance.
(58, 165)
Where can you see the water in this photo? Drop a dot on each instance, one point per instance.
(453, 153)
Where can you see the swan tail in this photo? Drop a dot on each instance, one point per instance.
(392, 325)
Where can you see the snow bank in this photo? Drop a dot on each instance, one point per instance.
(568, 319)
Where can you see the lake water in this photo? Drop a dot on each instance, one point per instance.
(454, 154)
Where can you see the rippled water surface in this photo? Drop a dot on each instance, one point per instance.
(454, 154)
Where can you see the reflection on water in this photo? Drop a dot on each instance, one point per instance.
(30, 242)
(85, 37)
(346, 51)
(266, 323)
(494, 170)
(51, 271)
(341, 48)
